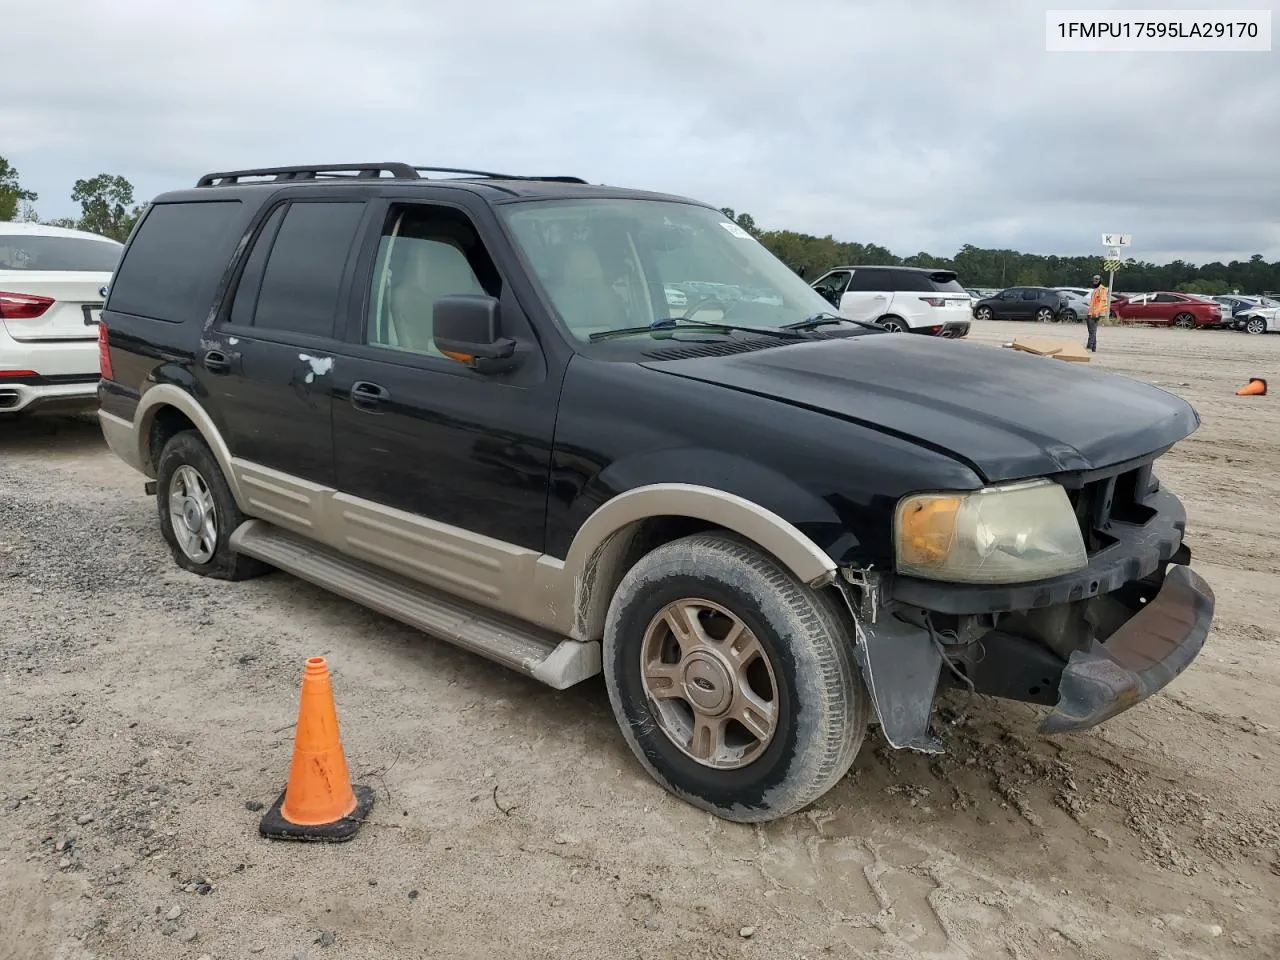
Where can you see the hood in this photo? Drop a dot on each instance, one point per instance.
(1006, 414)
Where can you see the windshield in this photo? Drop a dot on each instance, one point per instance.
(616, 264)
(19, 251)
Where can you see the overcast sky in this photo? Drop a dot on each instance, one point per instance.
(916, 124)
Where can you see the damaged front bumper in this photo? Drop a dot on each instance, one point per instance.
(1141, 637)
(1140, 658)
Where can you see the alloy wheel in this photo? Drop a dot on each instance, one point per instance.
(710, 682)
(192, 514)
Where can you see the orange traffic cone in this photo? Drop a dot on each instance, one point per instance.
(1256, 387)
(319, 802)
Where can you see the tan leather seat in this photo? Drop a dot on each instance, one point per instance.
(583, 295)
(427, 270)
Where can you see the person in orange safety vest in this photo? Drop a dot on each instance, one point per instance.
(1099, 301)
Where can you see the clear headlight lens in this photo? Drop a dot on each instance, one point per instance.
(1010, 534)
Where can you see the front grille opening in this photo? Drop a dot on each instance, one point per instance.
(1100, 503)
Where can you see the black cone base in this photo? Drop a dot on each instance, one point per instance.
(275, 827)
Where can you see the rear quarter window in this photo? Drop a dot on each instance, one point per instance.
(177, 257)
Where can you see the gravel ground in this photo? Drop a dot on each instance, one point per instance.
(146, 718)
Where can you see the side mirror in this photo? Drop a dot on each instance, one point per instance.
(467, 329)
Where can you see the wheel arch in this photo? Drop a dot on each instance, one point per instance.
(165, 410)
(629, 525)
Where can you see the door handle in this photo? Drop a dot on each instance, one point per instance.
(215, 361)
(368, 396)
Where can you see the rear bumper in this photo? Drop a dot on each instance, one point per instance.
(66, 395)
(950, 329)
(1139, 659)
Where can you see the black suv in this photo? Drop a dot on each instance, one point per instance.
(464, 400)
(1023, 303)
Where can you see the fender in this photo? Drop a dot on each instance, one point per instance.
(591, 568)
(165, 394)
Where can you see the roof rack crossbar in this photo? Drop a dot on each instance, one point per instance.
(360, 171)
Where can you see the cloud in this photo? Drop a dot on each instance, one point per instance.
(918, 126)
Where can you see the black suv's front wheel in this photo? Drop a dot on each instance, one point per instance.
(197, 511)
(734, 684)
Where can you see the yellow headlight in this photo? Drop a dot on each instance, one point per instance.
(927, 527)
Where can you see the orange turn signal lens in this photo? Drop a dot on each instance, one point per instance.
(926, 529)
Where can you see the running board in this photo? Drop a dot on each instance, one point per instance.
(546, 657)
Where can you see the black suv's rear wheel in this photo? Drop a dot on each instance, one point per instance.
(1045, 315)
(982, 313)
(734, 684)
(198, 513)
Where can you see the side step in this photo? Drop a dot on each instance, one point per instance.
(553, 660)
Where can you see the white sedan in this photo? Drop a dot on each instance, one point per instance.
(52, 287)
(1260, 320)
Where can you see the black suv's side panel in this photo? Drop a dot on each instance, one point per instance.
(266, 364)
(421, 433)
(162, 293)
(623, 426)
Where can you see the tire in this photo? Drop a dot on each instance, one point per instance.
(1184, 321)
(1045, 315)
(820, 708)
(1255, 325)
(893, 324)
(982, 313)
(1070, 316)
(186, 467)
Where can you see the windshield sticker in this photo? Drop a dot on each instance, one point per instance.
(736, 230)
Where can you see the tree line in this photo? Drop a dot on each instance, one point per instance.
(812, 256)
(107, 207)
(106, 203)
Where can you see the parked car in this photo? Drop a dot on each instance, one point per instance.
(51, 293)
(1077, 306)
(1260, 320)
(459, 402)
(1024, 303)
(900, 299)
(1169, 309)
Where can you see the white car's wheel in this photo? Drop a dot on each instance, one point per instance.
(1255, 325)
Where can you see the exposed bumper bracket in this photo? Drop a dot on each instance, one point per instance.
(1139, 659)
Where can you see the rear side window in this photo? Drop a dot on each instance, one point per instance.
(303, 274)
(870, 279)
(943, 281)
(20, 251)
(176, 260)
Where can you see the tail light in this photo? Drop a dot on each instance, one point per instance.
(104, 354)
(935, 301)
(22, 306)
(18, 374)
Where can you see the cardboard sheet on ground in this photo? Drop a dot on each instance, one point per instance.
(1046, 347)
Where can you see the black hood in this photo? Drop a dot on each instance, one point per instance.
(1004, 413)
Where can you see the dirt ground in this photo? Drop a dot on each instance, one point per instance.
(145, 714)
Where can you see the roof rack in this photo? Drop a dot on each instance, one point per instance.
(487, 175)
(361, 171)
(357, 171)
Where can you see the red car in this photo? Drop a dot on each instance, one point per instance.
(1169, 310)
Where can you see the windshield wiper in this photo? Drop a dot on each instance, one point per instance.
(672, 323)
(825, 319)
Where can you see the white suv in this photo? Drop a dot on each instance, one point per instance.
(52, 287)
(900, 299)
